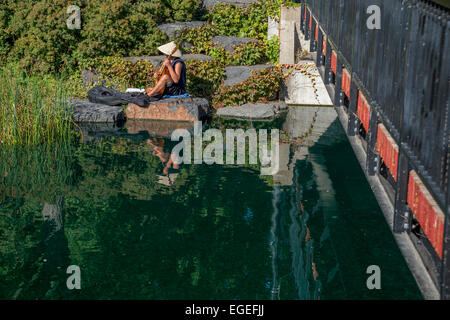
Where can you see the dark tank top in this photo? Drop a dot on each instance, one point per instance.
(180, 87)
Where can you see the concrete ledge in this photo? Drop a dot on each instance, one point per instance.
(412, 258)
(185, 109)
(305, 86)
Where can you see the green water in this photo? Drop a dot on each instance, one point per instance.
(214, 232)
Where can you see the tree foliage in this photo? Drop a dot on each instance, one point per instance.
(34, 33)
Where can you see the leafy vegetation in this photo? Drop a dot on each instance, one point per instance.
(261, 86)
(34, 33)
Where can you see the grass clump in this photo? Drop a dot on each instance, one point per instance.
(33, 109)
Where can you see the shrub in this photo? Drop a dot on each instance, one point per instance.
(262, 86)
(124, 72)
(245, 54)
(250, 53)
(42, 40)
(273, 49)
(34, 32)
(250, 21)
(204, 77)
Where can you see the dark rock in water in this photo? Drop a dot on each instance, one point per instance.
(253, 111)
(171, 29)
(85, 111)
(239, 3)
(184, 109)
(229, 43)
(238, 74)
(95, 131)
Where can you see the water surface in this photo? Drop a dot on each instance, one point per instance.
(201, 232)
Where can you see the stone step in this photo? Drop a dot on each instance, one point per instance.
(253, 111)
(174, 109)
(85, 111)
(208, 4)
(237, 74)
(171, 29)
(158, 60)
(229, 43)
(90, 77)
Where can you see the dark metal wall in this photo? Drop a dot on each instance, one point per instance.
(403, 69)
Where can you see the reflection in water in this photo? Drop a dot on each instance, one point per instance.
(141, 227)
(167, 158)
(275, 291)
(56, 251)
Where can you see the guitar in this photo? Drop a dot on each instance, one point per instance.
(163, 70)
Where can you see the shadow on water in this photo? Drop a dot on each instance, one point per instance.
(139, 231)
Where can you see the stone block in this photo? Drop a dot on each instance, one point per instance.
(229, 43)
(208, 4)
(237, 74)
(172, 29)
(185, 109)
(253, 111)
(290, 42)
(158, 60)
(85, 111)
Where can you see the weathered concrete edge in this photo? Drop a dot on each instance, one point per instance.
(412, 257)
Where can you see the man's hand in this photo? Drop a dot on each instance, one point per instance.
(167, 63)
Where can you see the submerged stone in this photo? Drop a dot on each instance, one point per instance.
(253, 111)
(174, 109)
(85, 111)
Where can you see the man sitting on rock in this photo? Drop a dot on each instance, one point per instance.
(173, 81)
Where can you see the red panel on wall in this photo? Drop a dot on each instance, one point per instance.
(363, 110)
(346, 80)
(427, 212)
(388, 150)
(317, 32)
(333, 61)
(324, 45)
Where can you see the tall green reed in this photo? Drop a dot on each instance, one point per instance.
(33, 109)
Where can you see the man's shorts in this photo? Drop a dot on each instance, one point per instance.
(173, 90)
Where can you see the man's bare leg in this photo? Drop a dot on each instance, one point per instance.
(160, 85)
